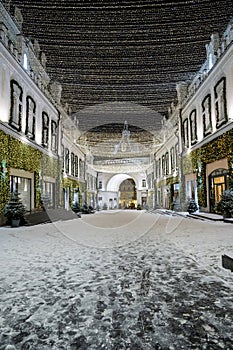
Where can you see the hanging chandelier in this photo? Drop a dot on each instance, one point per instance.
(124, 144)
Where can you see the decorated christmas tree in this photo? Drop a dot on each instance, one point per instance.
(225, 205)
(14, 209)
(192, 206)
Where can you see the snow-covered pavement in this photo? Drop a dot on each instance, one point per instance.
(116, 280)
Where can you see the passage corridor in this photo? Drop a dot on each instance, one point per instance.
(116, 280)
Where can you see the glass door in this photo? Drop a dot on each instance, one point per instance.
(219, 188)
(49, 193)
(218, 184)
(23, 186)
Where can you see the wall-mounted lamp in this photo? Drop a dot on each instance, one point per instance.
(3, 170)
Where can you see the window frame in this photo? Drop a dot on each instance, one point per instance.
(54, 136)
(45, 130)
(193, 126)
(207, 129)
(16, 105)
(220, 120)
(30, 114)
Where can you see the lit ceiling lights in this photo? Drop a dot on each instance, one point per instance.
(124, 144)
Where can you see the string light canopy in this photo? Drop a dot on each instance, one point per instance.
(116, 51)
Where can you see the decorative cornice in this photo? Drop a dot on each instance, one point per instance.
(9, 20)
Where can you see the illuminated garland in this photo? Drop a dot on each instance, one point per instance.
(21, 156)
(218, 149)
(122, 50)
(73, 185)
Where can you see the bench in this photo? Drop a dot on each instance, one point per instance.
(227, 261)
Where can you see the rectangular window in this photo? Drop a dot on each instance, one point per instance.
(45, 129)
(72, 164)
(156, 169)
(23, 186)
(62, 156)
(220, 102)
(206, 115)
(159, 167)
(176, 155)
(163, 166)
(89, 181)
(190, 189)
(76, 166)
(54, 136)
(30, 117)
(67, 160)
(166, 163)
(172, 159)
(193, 126)
(48, 194)
(185, 133)
(81, 169)
(149, 181)
(16, 105)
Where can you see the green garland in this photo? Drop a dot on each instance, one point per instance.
(49, 166)
(22, 156)
(172, 180)
(187, 165)
(218, 149)
(73, 184)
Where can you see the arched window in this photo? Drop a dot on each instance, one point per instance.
(185, 133)
(25, 61)
(30, 117)
(220, 102)
(193, 126)
(16, 105)
(143, 183)
(172, 158)
(72, 164)
(206, 115)
(67, 161)
(54, 136)
(45, 129)
(76, 166)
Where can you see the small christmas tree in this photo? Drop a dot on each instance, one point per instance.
(192, 206)
(225, 205)
(76, 207)
(105, 207)
(14, 209)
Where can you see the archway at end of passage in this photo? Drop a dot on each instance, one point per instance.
(128, 194)
(125, 185)
(115, 181)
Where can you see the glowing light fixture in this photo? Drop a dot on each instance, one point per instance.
(124, 144)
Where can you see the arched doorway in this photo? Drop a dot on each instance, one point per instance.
(218, 183)
(127, 194)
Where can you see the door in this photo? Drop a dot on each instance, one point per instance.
(219, 188)
(23, 186)
(218, 184)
